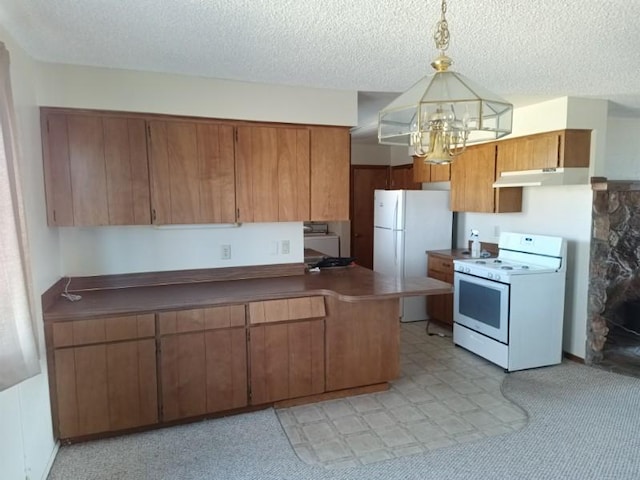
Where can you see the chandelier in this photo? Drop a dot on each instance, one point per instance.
(442, 113)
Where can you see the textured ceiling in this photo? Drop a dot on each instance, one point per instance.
(518, 48)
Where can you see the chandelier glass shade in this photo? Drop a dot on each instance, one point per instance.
(442, 113)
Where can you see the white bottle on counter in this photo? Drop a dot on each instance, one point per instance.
(475, 244)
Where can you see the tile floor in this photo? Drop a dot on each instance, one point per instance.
(444, 396)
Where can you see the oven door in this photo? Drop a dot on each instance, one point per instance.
(482, 305)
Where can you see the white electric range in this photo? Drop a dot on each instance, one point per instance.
(510, 309)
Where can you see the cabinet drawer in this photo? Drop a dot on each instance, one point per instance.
(440, 264)
(199, 319)
(100, 330)
(443, 277)
(286, 309)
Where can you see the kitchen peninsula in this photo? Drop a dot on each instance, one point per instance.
(151, 349)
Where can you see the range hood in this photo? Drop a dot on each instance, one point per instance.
(543, 177)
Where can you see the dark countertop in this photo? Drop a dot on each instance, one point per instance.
(461, 253)
(456, 253)
(353, 283)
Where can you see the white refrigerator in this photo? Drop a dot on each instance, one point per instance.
(407, 223)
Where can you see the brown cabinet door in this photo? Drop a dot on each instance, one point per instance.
(528, 153)
(287, 361)
(364, 180)
(401, 178)
(542, 151)
(96, 170)
(507, 156)
(424, 172)
(105, 387)
(203, 372)
(184, 376)
(440, 173)
(472, 177)
(421, 170)
(226, 366)
(362, 342)
(330, 161)
(192, 172)
(131, 377)
(127, 171)
(440, 307)
(564, 148)
(272, 174)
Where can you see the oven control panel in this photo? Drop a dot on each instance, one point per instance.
(459, 267)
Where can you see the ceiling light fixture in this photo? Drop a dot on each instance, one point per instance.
(442, 113)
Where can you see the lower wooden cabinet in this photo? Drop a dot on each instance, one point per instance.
(105, 387)
(440, 307)
(287, 360)
(362, 342)
(114, 374)
(203, 372)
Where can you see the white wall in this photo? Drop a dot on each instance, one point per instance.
(623, 149)
(400, 156)
(591, 114)
(133, 91)
(370, 154)
(111, 250)
(26, 439)
(540, 117)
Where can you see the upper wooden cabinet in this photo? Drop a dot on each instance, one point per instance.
(564, 148)
(330, 161)
(472, 177)
(272, 174)
(95, 169)
(401, 178)
(192, 172)
(425, 173)
(109, 168)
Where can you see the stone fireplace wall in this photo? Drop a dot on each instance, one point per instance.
(614, 283)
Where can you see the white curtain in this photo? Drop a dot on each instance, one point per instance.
(18, 349)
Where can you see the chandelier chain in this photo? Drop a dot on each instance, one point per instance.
(442, 30)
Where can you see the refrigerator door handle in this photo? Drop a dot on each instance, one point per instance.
(395, 236)
(395, 215)
(395, 249)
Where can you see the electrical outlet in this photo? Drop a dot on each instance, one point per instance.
(496, 231)
(273, 247)
(286, 247)
(225, 252)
